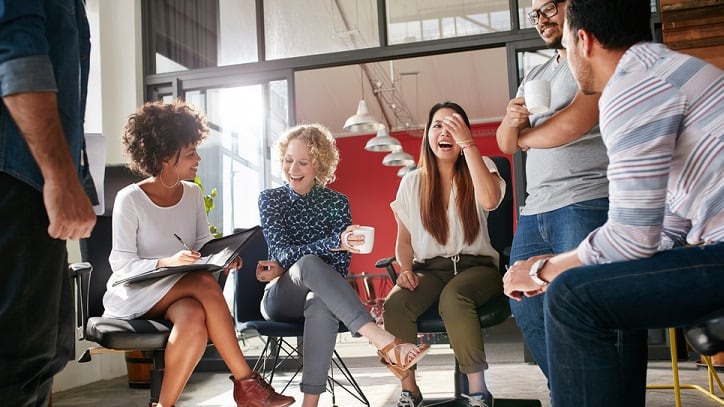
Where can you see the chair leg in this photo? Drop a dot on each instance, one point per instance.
(677, 386)
(271, 359)
(713, 376)
(273, 351)
(675, 366)
(342, 367)
(156, 376)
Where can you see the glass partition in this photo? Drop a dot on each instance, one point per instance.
(525, 7)
(296, 28)
(191, 34)
(527, 60)
(425, 20)
(234, 157)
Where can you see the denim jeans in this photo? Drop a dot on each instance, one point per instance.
(586, 305)
(36, 303)
(553, 232)
(314, 291)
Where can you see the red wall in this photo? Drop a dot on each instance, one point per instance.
(371, 187)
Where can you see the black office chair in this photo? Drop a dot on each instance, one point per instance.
(279, 353)
(90, 277)
(494, 312)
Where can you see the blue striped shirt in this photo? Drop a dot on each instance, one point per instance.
(662, 120)
(296, 225)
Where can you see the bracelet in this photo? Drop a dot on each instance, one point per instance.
(460, 143)
(462, 148)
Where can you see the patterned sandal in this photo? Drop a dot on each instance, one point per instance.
(400, 364)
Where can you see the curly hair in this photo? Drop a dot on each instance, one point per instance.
(322, 149)
(158, 131)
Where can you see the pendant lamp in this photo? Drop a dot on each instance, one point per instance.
(362, 121)
(404, 170)
(383, 142)
(398, 158)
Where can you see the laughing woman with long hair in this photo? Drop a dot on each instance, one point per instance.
(443, 248)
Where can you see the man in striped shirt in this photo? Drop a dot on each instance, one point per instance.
(659, 259)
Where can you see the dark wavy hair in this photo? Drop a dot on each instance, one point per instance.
(616, 24)
(157, 132)
(432, 207)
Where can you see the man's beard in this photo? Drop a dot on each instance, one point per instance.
(557, 43)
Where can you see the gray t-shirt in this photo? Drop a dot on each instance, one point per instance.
(574, 172)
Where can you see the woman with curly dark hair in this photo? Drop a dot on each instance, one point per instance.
(161, 140)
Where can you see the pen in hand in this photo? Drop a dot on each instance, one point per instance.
(183, 243)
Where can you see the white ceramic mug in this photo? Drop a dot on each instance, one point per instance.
(368, 232)
(537, 96)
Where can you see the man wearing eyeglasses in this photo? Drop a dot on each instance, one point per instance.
(566, 161)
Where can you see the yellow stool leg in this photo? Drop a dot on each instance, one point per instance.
(676, 386)
(675, 366)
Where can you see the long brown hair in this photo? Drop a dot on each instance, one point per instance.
(432, 207)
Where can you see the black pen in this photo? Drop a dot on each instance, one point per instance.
(182, 242)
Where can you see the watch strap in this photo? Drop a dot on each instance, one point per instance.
(535, 270)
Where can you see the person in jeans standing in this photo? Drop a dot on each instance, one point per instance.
(44, 51)
(566, 184)
(658, 261)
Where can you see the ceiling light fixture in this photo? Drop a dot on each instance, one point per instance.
(383, 142)
(398, 158)
(362, 121)
(404, 170)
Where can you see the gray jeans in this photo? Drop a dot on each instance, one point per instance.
(313, 291)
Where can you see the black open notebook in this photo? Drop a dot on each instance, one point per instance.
(216, 254)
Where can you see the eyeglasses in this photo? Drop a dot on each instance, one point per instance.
(547, 10)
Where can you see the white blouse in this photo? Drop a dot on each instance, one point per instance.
(424, 246)
(143, 232)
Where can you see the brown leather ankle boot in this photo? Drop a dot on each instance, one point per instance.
(254, 391)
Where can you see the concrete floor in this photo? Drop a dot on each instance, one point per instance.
(508, 377)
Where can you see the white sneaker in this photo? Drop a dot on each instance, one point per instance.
(407, 399)
(485, 401)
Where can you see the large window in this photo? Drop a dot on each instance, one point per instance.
(244, 121)
(424, 20)
(296, 28)
(191, 34)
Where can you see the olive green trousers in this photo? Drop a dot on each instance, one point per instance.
(477, 281)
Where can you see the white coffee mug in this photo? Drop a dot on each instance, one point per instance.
(368, 232)
(537, 96)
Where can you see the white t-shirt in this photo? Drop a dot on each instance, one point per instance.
(143, 232)
(424, 246)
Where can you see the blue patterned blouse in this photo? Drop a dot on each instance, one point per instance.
(296, 225)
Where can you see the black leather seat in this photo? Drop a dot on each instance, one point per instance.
(706, 335)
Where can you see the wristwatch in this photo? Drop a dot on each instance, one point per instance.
(535, 272)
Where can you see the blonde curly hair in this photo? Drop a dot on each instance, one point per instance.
(322, 149)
